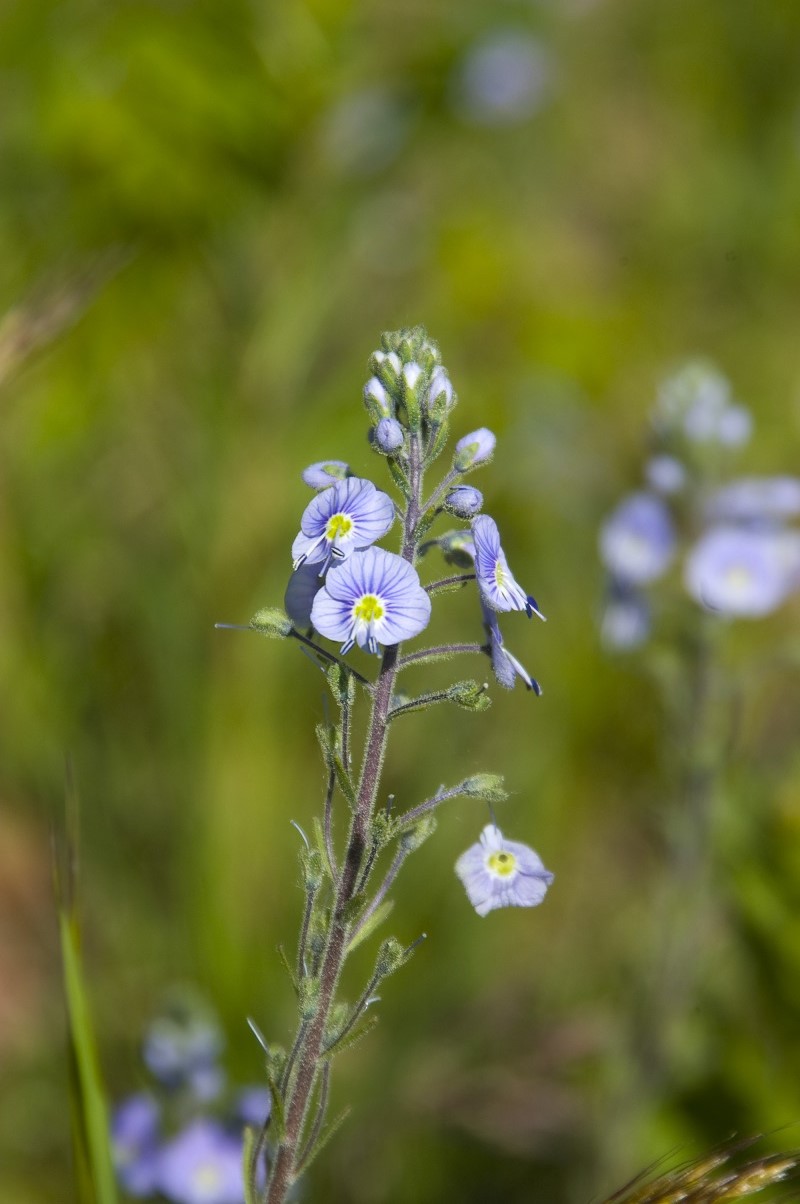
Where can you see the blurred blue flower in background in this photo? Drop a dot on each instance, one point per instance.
(202, 1165)
(135, 1132)
(637, 542)
(756, 499)
(696, 403)
(504, 78)
(739, 571)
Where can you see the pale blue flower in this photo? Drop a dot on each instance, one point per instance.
(505, 665)
(202, 1165)
(740, 571)
(665, 474)
(499, 588)
(304, 585)
(389, 435)
(135, 1126)
(337, 522)
(502, 873)
(475, 448)
(325, 473)
(637, 542)
(626, 621)
(373, 598)
(504, 78)
(756, 499)
(464, 501)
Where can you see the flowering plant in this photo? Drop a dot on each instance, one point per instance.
(346, 589)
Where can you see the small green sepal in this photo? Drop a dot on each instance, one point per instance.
(271, 622)
(469, 695)
(488, 786)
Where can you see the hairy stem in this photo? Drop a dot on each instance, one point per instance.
(311, 1034)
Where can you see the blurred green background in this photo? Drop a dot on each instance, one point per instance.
(208, 213)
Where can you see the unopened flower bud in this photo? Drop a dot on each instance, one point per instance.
(440, 390)
(464, 501)
(388, 358)
(376, 399)
(475, 448)
(388, 436)
(325, 473)
(411, 374)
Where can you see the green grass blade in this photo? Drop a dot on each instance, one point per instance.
(93, 1113)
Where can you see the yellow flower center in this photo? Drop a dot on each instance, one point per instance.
(737, 577)
(207, 1177)
(338, 525)
(368, 608)
(499, 574)
(502, 863)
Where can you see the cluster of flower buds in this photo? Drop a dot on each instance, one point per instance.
(739, 553)
(167, 1143)
(409, 392)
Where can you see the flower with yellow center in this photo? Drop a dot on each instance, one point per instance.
(349, 516)
(374, 598)
(502, 873)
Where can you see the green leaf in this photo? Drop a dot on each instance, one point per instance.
(374, 922)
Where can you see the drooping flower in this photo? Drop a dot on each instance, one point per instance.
(739, 571)
(475, 448)
(502, 873)
(350, 516)
(388, 435)
(756, 499)
(202, 1165)
(464, 501)
(134, 1143)
(499, 588)
(637, 542)
(304, 585)
(373, 598)
(325, 473)
(505, 665)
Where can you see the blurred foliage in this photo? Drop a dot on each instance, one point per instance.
(208, 213)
